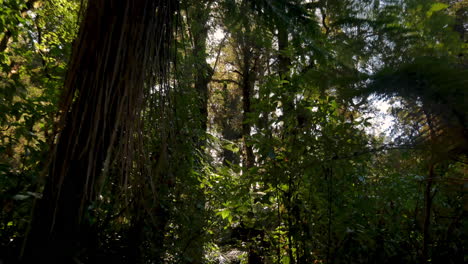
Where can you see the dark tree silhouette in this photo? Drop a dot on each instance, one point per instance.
(121, 48)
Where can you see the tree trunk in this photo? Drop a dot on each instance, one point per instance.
(428, 190)
(198, 16)
(229, 131)
(427, 215)
(248, 80)
(284, 63)
(116, 50)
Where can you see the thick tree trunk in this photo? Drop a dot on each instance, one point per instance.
(107, 72)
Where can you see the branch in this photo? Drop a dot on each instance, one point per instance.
(360, 153)
(238, 72)
(221, 45)
(324, 23)
(224, 81)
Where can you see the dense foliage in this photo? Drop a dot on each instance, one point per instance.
(238, 131)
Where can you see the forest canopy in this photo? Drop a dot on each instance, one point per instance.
(233, 131)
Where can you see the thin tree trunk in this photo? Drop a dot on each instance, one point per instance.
(229, 132)
(329, 175)
(198, 16)
(248, 80)
(427, 215)
(203, 71)
(428, 190)
(284, 63)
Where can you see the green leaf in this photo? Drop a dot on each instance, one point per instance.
(231, 147)
(436, 7)
(225, 213)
